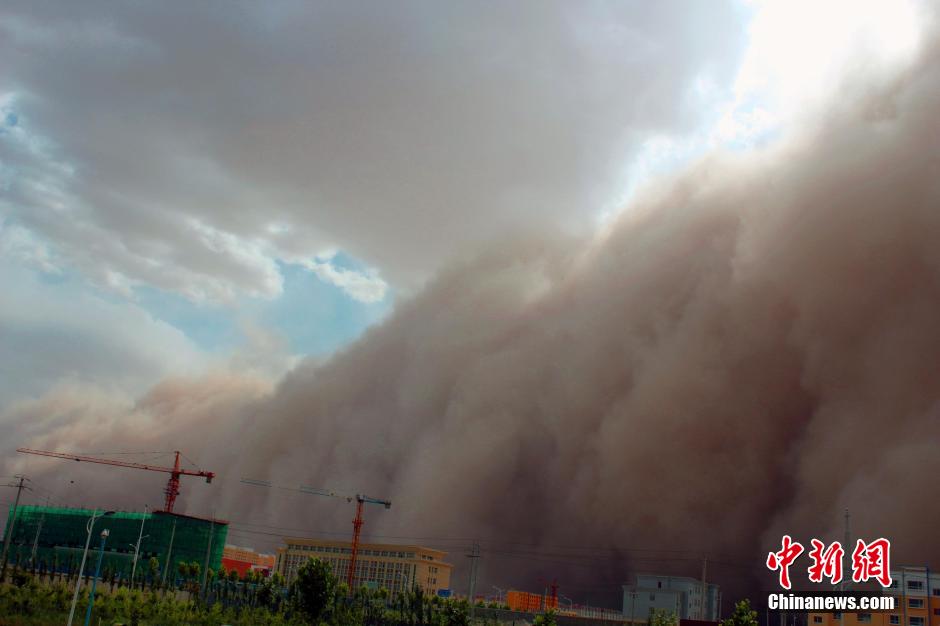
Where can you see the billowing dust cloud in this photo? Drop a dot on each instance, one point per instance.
(751, 348)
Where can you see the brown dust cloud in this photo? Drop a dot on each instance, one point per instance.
(750, 348)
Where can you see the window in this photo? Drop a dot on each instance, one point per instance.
(915, 584)
(894, 619)
(916, 621)
(817, 619)
(936, 611)
(916, 603)
(659, 584)
(864, 618)
(837, 615)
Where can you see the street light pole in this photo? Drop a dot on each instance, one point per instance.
(94, 581)
(81, 568)
(140, 538)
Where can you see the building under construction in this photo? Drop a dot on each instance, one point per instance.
(54, 538)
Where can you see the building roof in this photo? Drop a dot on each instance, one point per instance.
(397, 547)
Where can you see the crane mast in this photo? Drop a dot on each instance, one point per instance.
(357, 529)
(357, 522)
(172, 489)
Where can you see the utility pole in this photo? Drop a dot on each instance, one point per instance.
(10, 523)
(205, 570)
(32, 556)
(169, 552)
(42, 519)
(847, 537)
(704, 606)
(471, 591)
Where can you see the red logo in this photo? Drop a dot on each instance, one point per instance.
(827, 562)
(872, 560)
(783, 559)
(869, 561)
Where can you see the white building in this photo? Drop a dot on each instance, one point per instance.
(684, 596)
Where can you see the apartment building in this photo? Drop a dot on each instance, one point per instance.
(917, 603)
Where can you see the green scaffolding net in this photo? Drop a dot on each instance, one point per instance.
(53, 538)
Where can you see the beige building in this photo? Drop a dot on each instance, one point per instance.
(247, 555)
(392, 566)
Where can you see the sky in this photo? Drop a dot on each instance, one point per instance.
(264, 214)
(208, 177)
(271, 178)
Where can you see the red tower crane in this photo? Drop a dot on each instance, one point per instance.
(357, 527)
(357, 523)
(172, 486)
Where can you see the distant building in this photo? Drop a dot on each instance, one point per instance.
(530, 602)
(917, 603)
(392, 566)
(59, 536)
(684, 596)
(241, 560)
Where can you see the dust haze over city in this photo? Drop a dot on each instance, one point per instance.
(606, 288)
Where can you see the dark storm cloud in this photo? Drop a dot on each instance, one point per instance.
(188, 148)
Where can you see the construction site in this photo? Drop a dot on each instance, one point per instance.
(53, 538)
(159, 548)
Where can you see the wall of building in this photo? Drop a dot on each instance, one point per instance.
(526, 601)
(678, 594)
(242, 560)
(394, 567)
(917, 601)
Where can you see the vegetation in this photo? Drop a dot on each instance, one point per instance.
(313, 589)
(662, 617)
(742, 615)
(548, 619)
(314, 597)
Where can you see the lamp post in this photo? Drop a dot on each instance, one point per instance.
(81, 568)
(140, 537)
(136, 547)
(94, 581)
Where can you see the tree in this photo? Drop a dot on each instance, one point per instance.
(546, 619)
(662, 617)
(742, 615)
(313, 588)
(194, 570)
(456, 613)
(154, 566)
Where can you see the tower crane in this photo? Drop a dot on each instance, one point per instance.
(360, 500)
(172, 486)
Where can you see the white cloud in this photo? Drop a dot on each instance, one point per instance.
(192, 152)
(54, 331)
(364, 286)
